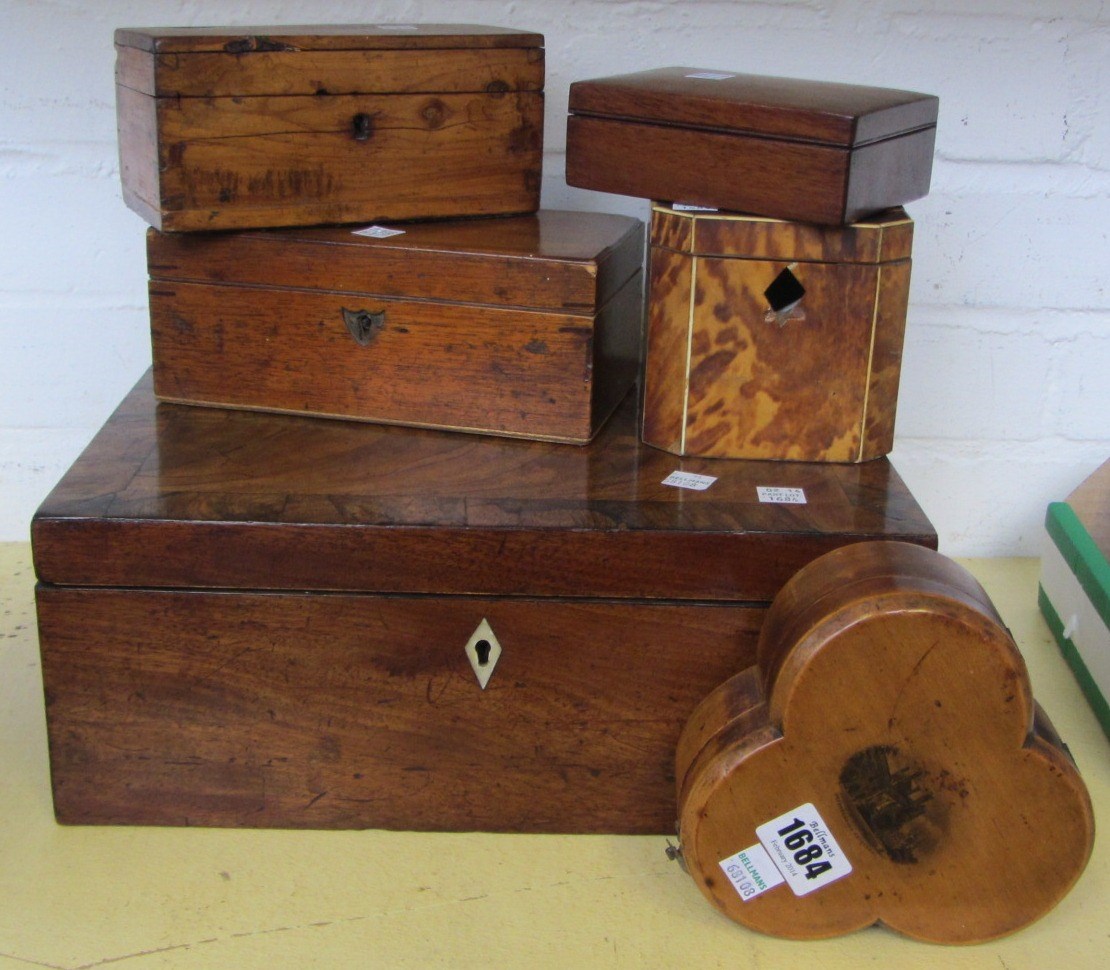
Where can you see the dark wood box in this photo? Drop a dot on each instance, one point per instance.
(246, 127)
(770, 339)
(526, 326)
(790, 149)
(264, 620)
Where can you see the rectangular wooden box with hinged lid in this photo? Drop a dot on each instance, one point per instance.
(246, 127)
(774, 340)
(527, 326)
(788, 148)
(250, 619)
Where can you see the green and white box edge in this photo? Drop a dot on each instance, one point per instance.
(1074, 597)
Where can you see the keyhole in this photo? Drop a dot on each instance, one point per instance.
(481, 650)
(785, 291)
(362, 126)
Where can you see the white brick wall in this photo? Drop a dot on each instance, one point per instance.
(1005, 400)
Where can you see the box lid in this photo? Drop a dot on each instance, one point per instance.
(175, 496)
(551, 260)
(884, 237)
(845, 115)
(379, 59)
(322, 37)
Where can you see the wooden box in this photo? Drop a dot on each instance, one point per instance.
(791, 149)
(527, 326)
(771, 339)
(887, 734)
(246, 127)
(263, 620)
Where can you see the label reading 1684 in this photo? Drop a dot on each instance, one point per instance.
(803, 849)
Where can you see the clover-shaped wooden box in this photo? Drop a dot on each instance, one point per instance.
(884, 761)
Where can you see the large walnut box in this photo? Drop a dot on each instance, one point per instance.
(775, 340)
(266, 620)
(792, 149)
(246, 127)
(527, 326)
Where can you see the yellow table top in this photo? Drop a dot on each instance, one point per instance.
(183, 898)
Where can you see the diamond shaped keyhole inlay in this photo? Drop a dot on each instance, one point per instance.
(483, 651)
(784, 297)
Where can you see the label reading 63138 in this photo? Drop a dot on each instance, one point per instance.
(803, 849)
(691, 480)
(751, 872)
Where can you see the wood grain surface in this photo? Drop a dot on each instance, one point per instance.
(775, 107)
(246, 321)
(570, 262)
(282, 136)
(889, 696)
(245, 40)
(287, 72)
(260, 620)
(671, 289)
(724, 378)
(357, 711)
(179, 496)
(807, 151)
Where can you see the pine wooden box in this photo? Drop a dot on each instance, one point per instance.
(245, 127)
(263, 620)
(791, 149)
(527, 326)
(774, 340)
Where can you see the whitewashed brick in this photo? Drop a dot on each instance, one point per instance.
(62, 370)
(987, 499)
(1080, 387)
(959, 383)
(71, 239)
(1087, 119)
(984, 249)
(962, 57)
